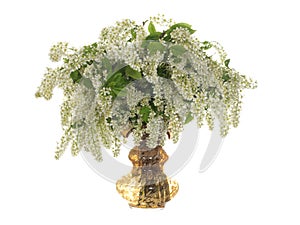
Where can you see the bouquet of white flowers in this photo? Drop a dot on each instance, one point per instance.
(144, 81)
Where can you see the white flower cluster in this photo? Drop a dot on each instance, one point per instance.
(145, 83)
(58, 51)
(156, 129)
(181, 35)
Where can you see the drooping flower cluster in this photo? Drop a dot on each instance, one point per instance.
(147, 83)
(58, 51)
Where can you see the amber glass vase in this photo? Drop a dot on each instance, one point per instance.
(147, 186)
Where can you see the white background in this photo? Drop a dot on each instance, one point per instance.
(255, 179)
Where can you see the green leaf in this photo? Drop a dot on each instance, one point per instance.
(154, 36)
(188, 118)
(145, 43)
(151, 28)
(177, 50)
(76, 76)
(184, 25)
(122, 92)
(226, 62)
(112, 79)
(107, 65)
(119, 91)
(164, 71)
(86, 82)
(117, 82)
(133, 73)
(156, 46)
(90, 49)
(133, 33)
(225, 77)
(144, 113)
(206, 45)
(178, 25)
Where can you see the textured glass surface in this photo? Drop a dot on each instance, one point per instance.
(147, 186)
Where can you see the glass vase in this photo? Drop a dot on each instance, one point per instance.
(147, 186)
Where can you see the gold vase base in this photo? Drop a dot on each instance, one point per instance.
(147, 186)
(146, 196)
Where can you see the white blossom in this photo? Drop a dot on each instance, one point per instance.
(58, 51)
(148, 85)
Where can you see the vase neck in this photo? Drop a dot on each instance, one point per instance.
(144, 156)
